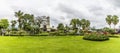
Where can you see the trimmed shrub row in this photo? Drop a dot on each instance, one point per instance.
(96, 37)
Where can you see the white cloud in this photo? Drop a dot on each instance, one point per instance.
(63, 10)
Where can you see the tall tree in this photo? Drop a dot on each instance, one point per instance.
(73, 23)
(85, 24)
(76, 24)
(38, 21)
(109, 20)
(67, 28)
(28, 23)
(3, 25)
(115, 20)
(60, 27)
(19, 15)
(13, 24)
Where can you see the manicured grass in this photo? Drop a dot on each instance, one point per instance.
(57, 44)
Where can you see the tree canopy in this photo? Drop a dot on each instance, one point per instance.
(4, 23)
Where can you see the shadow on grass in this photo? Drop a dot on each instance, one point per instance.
(96, 40)
(114, 36)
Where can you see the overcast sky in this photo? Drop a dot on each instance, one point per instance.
(62, 11)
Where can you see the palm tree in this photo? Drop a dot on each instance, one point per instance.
(115, 20)
(87, 24)
(76, 24)
(109, 20)
(83, 22)
(67, 27)
(13, 23)
(73, 23)
(28, 22)
(19, 15)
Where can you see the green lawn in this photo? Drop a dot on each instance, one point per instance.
(57, 44)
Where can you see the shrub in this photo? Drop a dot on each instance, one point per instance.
(17, 33)
(57, 34)
(53, 30)
(22, 32)
(109, 30)
(96, 37)
(44, 34)
(70, 33)
(54, 33)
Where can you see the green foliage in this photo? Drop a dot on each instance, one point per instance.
(60, 26)
(22, 32)
(38, 21)
(53, 33)
(4, 23)
(28, 20)
(57, 34)
(44, 34)
(28, 23)
(109, 20)
(67, 28)
(96, 37)
(115, 20)
(85, 24)
(13, 24)
(17, 33)
(19, 15)
(112, 19)
(93, 28)
(82, 32)
(111, 31)
(75, 23)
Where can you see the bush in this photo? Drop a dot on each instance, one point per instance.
(57, 34)
(17, 33)
(22, 32)
(53, 33)
(44, 34)
(96, 37)
(70, 33)
(109, 30)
